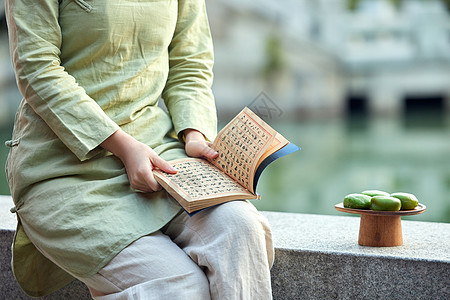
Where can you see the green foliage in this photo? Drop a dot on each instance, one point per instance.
(352, 5)
(274, 55)
(396, 3)
(447, 4)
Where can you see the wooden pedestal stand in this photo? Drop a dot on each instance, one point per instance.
(380, 228)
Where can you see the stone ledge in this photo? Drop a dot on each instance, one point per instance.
(317, 257)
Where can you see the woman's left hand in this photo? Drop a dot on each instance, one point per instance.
(197, 145)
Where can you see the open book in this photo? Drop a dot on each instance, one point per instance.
(246, 146)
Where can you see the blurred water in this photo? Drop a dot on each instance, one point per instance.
(339, 157)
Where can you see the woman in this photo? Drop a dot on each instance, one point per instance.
(87, 136)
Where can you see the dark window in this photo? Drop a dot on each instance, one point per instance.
(357, 106)
(424, 111)
(424, 104)
(357, 111)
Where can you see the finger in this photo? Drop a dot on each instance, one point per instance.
(144, 181)
(163, 165)
(152, 183)
(142, 188)
(209, 152)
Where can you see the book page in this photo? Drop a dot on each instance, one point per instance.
(278, 143)
(240, 145)
(197, 179)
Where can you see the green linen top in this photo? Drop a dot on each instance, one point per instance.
(85, 69)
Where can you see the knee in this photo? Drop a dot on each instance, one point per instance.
(242, 219)
(243, 226)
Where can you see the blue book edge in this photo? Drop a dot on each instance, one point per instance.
(288, 149)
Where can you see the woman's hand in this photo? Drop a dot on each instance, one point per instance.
(139, 160)
(197, 145)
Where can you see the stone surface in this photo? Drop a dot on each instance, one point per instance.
(339, 234)
(7, 219)
(321, 275)
(317, 257)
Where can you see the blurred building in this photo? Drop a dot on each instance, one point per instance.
(327, 59)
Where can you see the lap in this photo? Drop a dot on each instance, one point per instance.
(214, 227)
(194, 258)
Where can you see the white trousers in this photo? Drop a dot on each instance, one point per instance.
(224, 252)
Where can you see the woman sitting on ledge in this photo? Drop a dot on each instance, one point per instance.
(87, 136)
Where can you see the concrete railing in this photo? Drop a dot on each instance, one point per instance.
(317, 257)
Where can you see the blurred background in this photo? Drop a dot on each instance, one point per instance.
(362, 86)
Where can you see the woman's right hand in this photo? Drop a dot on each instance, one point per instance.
(139, 160)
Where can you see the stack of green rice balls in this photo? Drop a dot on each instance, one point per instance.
(381, 201)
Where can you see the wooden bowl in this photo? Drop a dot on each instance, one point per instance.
(380, 228)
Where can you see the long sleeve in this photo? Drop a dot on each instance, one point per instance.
(188, 94)
(35, 41)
